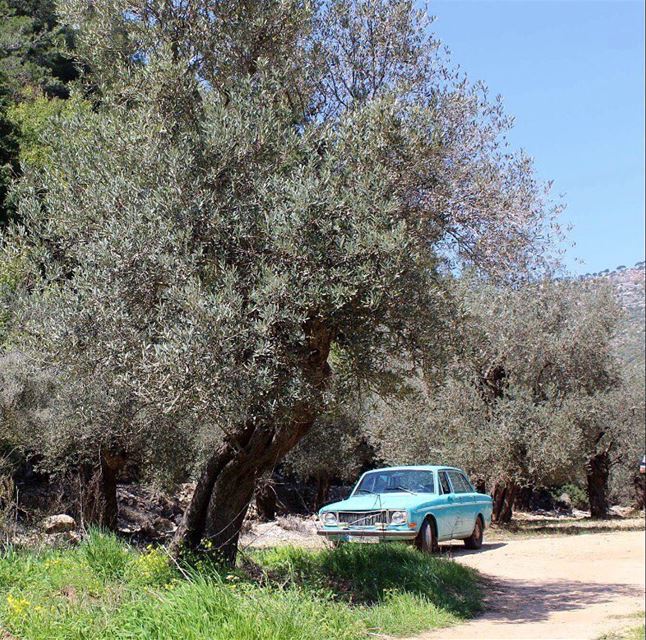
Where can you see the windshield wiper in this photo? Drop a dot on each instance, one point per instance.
(365, 491)
(400, 488)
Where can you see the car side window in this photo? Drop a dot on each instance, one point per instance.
(444, 482)
(460, 485)
(467, 484)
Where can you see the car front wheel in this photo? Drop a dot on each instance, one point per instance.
(426, 541)
(474, 541)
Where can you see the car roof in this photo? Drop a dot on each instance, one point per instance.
(417, 467)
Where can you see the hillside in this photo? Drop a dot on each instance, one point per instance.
(629, 284)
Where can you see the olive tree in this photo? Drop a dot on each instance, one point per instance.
(266, 195)
(533, 396)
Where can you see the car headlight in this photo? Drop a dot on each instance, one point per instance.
(398, 517)
(328, 518)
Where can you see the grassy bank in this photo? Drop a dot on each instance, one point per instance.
(104, 589)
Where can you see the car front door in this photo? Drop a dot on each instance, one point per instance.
(464, 499)
(447, 513)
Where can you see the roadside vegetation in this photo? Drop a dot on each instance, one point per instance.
(628, 633)
(105, 589)
(562, 526)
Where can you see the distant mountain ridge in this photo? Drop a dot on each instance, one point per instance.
(620, 270)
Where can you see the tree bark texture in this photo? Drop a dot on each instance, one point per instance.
(99, 491)
(503, 501)
(640, 491)
(226, 485)
(598, 471)
(266, 501)
(322, 489)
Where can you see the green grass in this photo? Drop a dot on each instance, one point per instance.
(104, 589)
(633, 633)
(628, 632)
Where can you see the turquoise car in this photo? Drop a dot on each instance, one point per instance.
(423, 505)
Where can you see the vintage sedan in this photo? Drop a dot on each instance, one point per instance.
(423, 505)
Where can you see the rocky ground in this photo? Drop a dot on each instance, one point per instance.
(147, 516)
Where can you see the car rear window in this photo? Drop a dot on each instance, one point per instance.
(459, 482)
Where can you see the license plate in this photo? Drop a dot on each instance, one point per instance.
(363, 539)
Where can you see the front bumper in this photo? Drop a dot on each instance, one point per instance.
(372, 533)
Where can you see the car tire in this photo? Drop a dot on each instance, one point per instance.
(426, 541)
(474, 541)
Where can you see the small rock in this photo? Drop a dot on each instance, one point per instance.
(621, 511)
(72, 537)
(164, 525)
(57, 540)
(564, 501)
(59, 523)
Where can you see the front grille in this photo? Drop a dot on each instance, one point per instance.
(363, 518)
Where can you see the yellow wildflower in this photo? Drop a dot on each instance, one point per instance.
(17, 606)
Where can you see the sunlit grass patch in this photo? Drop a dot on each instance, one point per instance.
(104, 589)
(393, 587)
(633, 633)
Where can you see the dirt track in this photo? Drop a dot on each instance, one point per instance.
(555, 588)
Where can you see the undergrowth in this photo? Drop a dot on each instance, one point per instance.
(104, 589)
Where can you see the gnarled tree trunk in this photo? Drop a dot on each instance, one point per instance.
(226, 485)
(99, 491)
(322, 489)
(503, 501)
(191, 530)
(598, 471)
(233, 490)
(266, 500)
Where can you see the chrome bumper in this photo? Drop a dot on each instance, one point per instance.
(372, 533)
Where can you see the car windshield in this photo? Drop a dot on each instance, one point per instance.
(392, 481)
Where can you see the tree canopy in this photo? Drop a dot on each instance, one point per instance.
(33, 49)
(267, 195)
(534, 396)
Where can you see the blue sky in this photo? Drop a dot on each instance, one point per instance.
(572, 74)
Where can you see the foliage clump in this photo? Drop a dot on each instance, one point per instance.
(535, 394)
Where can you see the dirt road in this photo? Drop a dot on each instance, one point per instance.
(555, 588)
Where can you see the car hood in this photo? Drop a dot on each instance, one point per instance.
(369, 502)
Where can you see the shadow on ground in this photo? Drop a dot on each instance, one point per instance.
(459, 550)
(519, 601)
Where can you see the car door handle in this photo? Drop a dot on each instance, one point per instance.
(449, 498)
